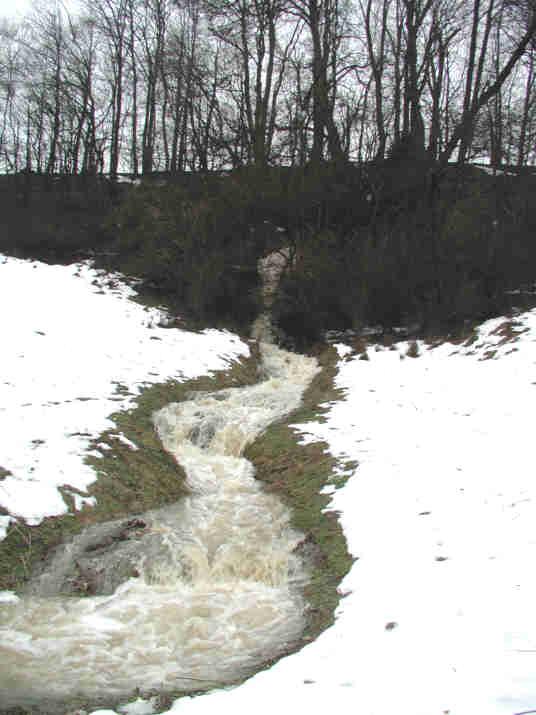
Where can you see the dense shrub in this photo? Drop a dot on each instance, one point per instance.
(54, 218)
(200, 252)
(202, 247)
(435, 257)
(385, 244)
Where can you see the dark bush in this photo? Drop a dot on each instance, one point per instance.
(388, 243)
(435, 255)
(54, 218)
(199, 252)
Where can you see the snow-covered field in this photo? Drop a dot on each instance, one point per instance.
(439, 611)
(76, 349)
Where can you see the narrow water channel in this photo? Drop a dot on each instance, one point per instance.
(190, 596)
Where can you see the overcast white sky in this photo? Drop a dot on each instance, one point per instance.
(13, 8)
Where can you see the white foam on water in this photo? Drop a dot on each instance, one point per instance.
(219, 581)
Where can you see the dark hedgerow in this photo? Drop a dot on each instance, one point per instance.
(199, 252)
(431, 256)
(374, 244)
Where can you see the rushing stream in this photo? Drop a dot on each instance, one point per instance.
(190, 596)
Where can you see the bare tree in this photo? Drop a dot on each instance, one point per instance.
(479, 97)
(11, 78)
(112, 19)
(49, 42)
(81, 66)
(526, 137)
(324, 20)
(377, 57)
(250, 30)
(153, 26)
(443, 32)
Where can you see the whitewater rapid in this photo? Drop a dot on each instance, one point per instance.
(216, 581)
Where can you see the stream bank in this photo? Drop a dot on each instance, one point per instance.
(295, 472)
(130, 481)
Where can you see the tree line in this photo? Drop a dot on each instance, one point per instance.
(202, 85)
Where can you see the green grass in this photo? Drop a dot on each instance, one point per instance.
(297, 473)
(128, 481)
(132, 481)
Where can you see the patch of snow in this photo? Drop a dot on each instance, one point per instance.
(342, 349)
(72, 337)
(138, 707)
(493, 171)
(438, 610)
(121, 437)
(5, 521)
(80, 501)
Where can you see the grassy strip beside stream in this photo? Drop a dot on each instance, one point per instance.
(132, 481)
(297, 473)
(129, 481)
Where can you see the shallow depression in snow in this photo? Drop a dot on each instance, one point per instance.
(215, 586)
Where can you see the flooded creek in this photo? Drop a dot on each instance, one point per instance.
(183, 598)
